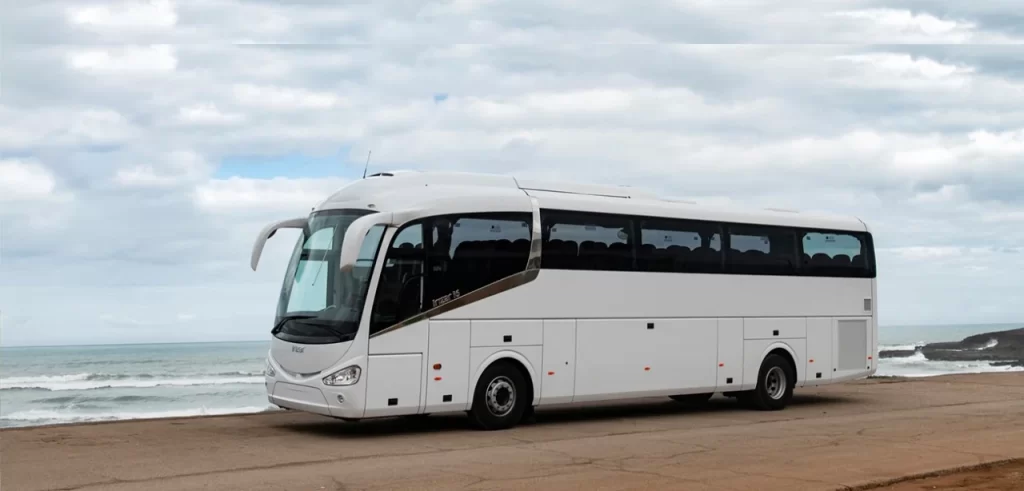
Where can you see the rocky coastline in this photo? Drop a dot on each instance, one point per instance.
(1000, 348)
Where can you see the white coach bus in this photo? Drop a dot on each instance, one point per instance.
(419, 293)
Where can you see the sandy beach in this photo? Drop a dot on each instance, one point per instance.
(857, 435)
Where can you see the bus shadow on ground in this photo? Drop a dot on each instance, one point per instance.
(645, 409)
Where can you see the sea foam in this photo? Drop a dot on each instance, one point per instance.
(87, 381)
(47, 416)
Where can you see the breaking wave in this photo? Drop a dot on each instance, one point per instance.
(47, 416)
(90, 381)
(900, 347)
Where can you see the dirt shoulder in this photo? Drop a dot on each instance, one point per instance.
(1004, 476)
(830, 438)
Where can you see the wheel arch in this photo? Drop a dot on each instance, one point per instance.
(518, 361)
(786, 351)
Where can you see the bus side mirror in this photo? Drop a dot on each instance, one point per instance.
(352, 244)
(268, 232)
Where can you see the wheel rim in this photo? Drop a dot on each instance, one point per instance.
(775, 383)
(500, 397)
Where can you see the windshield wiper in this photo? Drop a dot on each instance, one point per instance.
(288, 318)
(312, 321)
(326, 325)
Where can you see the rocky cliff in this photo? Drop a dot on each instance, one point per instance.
(1002, 348)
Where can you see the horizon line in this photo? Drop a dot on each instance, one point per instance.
(151, 343)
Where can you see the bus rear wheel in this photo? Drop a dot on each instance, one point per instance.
(775, 381)
(499, 400)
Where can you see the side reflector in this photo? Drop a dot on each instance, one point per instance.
(551, 373)
(437, 366)
(721, 364)
(812, 361)
(437, 379)
(647, 369)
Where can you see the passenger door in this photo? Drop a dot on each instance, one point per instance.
(395, 368)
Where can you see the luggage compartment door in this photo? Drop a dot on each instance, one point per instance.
(393, 385)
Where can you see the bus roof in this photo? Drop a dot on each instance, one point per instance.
(401, 190)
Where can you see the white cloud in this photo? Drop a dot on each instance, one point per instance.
(1003, 217)
(242, 195)
(901, 70)
(49, 127)
(125, 60)
(921, 253)
(98, 127)
(207, 114)
(271, 97)
(948, 193)
(906, 26)
(153, 14)
(177, 168)
(1004, 144)
(25, 181)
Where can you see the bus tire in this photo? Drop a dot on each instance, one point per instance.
(529, 414)
(775, 382)
(499, 400)
(694, 399)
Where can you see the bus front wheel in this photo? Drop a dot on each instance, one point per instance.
(499, 400)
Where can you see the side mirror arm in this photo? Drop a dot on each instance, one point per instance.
(355, 235)
(268, 232)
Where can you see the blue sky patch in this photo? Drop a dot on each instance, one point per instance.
(290, 165)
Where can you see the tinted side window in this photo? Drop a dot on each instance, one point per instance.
(587, 241)
(762, 250)
(679, 246)
(835, 254)
(482, 249)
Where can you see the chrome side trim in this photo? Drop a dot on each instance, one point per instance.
(500, 286)
(503, 285)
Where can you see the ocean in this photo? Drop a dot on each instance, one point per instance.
(909, 337)
(69, 384)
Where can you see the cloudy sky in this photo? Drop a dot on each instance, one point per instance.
(143, 144)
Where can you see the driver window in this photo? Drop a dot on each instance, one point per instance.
(400, 290)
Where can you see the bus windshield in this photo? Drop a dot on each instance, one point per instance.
(320, 304)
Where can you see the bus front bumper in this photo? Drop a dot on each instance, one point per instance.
(299, 398)
(334, 402)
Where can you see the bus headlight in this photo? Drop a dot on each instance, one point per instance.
(345, 376)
